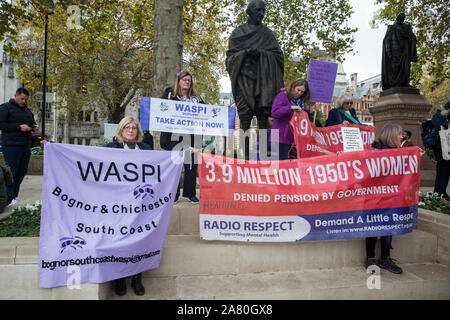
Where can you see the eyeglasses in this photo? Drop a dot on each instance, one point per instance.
(186, 80)
(130, 128)
(348, 103)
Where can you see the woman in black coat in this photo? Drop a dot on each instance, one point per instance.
(129, 136)
(183, 91)
(344, 113)
(441, 120)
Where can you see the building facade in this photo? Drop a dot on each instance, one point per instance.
(364, 92)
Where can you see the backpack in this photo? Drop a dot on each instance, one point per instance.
(430, 136)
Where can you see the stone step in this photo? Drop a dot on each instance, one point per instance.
(193, 268)
(190, 255)
(418, 281)
(185, 218)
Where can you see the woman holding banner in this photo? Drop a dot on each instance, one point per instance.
(129, 135)
(284, 105)
(183, 90)
(344, 113)
(391, 136)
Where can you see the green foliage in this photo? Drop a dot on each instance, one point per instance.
(303, 27)
(434, 202)
(204, 25)
(430, 20)
(437, 96)
(108, 53)
(320, 117)
(24, 222)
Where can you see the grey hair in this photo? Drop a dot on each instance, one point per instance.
(343, 99)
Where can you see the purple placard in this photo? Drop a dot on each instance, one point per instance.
(105, 212)
(321, 80)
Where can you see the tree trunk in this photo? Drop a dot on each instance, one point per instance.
(168, 43)
(118, 113)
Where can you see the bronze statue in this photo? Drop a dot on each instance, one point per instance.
(399, 50)
(255, 64)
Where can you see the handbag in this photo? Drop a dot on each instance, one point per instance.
(444, 136)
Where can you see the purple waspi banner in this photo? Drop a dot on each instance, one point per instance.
(105, 212)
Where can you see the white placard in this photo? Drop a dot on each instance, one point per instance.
(352, 140)
(188, 118)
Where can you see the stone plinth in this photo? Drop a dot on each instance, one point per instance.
(35, 166)
(409, 111)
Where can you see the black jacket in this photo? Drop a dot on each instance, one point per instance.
(438, 121)
(148, 139)
(335, 117)
(115, 144)
(11, 117)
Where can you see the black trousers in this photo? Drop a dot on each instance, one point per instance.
(372, 242)
(442, 176)
(189, 181)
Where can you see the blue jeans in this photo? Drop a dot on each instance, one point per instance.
(17, 158)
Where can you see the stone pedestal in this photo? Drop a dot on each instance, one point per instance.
(409, 111)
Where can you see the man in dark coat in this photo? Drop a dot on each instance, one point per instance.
(16, 123)
(441, 120)
(255, 64)
(399, 50)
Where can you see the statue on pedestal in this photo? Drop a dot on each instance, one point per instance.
(399, 50)
(255, 64)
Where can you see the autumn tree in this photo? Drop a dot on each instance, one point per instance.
(192, 37)
(430, 20)
(101, 63)
(205, 23)
(437, 96)
(114, 52)
(168, 43)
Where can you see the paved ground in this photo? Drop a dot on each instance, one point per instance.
(31, 190)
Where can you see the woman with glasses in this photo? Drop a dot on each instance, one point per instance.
(129, 136)
(284, 105)
(183, 90)
(344, 113)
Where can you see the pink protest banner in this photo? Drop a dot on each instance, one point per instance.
(312, 141)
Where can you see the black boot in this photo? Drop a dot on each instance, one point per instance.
(120, 287)
(136, 284)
